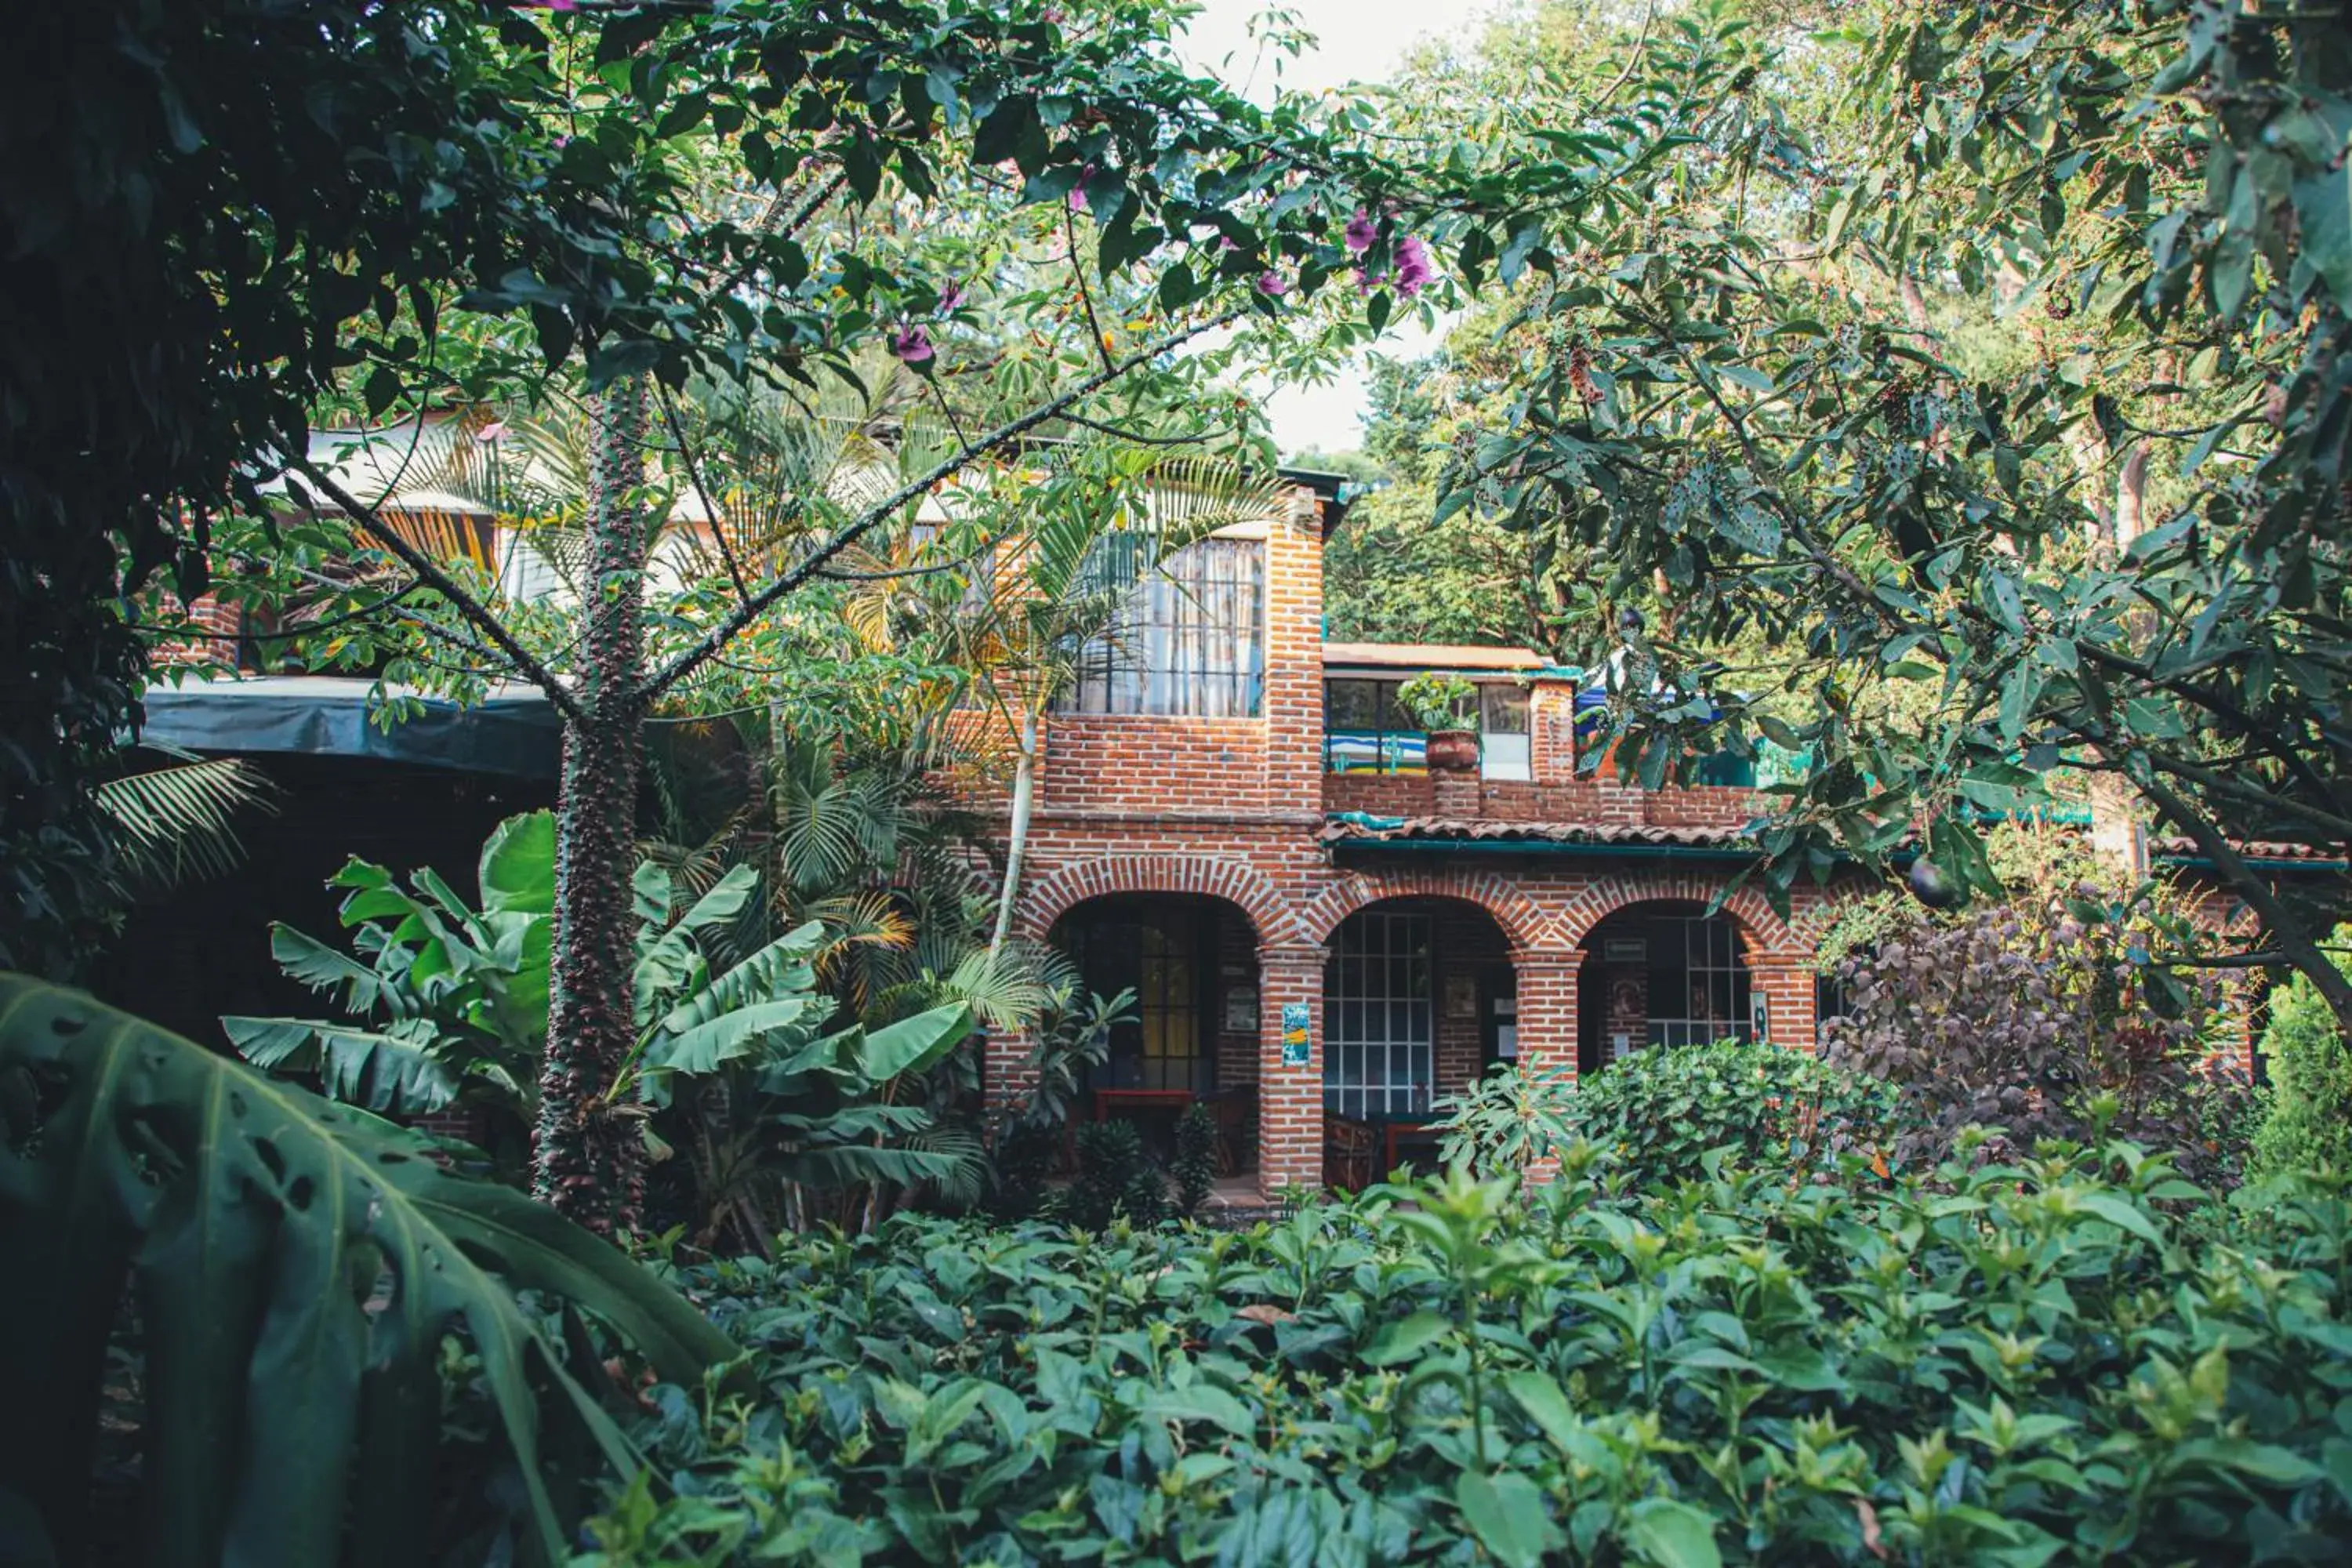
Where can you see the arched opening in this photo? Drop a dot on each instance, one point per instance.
(1419, 999)
(1192, 1034)
(1665, 973)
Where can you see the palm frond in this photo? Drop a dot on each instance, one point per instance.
(178, 823)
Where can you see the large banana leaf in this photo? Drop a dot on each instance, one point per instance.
(386, 1072)
(298, 1265)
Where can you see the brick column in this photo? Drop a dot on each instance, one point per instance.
(1453, 796)
(1548, 997)
(1791, 1008)
(1551, 730)
(1293, 706)
(1289, 1098)
(1006, 1076)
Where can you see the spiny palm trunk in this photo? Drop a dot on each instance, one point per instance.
(1024, 793)
(590, 1161)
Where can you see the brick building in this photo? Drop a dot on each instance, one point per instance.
(1232, 820)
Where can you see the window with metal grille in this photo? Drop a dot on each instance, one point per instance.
(1190, 639)
(1160, 958)
(1704, 997)
(1379, 1057)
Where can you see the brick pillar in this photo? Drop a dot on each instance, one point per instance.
(1006, 1076)
(1453, 796)
(1289, 1098)
(1551, 730)
(1784, 981)
(1292, 704)
(1548, 1001)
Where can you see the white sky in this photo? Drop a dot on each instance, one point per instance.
(1356, 40)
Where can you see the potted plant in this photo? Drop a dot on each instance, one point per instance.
(1436, 703)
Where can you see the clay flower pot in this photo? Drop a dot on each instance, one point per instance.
(1451, 751)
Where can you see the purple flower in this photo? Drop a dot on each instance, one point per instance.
(1413, 270)
(951, 297)
(1271, 285)
(1361, 232)
(911, 344)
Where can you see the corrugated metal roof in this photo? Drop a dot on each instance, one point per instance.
(1428, 656)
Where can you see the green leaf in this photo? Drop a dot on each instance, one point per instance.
(517, 865)
(1508, 1515)
(1541, 1398)
(297, 1264)
(1673, 1534)
(1199, 1401)
(358, 1066)
(2323, 210)
(913, 1045)
(2116, 1212)
(1403, 1340)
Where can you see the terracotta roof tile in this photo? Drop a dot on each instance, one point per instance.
(1493, 832)
(2253, 848)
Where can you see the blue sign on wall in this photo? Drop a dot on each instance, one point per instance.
(1297, 1043)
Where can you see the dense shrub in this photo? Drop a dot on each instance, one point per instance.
(1655, 1114)
(2001, 1364)
(1116, 1178)
(2044, 1018)
(2310, 1117)
(1658, 1112)
(1195, 1167)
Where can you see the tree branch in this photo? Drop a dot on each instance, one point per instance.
(524, 662)
(2294, 942)
(810, 565)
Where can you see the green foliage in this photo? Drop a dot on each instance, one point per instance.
(732, 1059)
(1195, 1167)
(1660, 1111)
(1117, 1179)
(1508, 1122)
(2309, 1123)
(298, 1267)
(1436, 701)
(1985, 364)
(2020, 1364)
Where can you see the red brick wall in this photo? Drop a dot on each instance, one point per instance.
(1229, 808)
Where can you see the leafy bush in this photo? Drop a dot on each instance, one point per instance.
(2310, 1120)
(1196, 1169)
(1658, 1111)
(1999, 1365)
(2044, 1017)
(1518, 1115)
(1116, 1178)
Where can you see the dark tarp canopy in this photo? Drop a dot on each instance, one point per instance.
(516, 732)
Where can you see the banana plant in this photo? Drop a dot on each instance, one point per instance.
(297, 1268)
(453, 1008)
(450, 1002)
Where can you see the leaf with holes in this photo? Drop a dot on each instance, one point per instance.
(297, 1265)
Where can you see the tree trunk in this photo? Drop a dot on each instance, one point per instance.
(1024, 791)
(590, 1161)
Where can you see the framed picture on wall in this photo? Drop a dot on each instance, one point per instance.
(1461, 996)
(1241, 1009)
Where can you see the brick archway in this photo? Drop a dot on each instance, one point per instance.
(1763, 933)
(1522, 920)
(1063, 890)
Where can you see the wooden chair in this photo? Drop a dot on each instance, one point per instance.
(1348, 1150)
